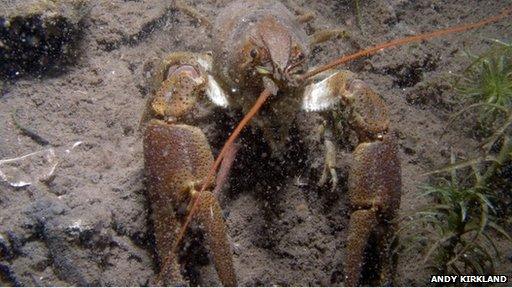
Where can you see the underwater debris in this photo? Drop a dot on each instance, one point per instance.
(34, 167)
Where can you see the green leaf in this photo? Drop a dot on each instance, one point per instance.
(485, 200)
(435, 246)
(483, 216)
(463, 211)
(491, 242)
(500, 230)
(473, 106)
(485, 256)
(461, 165)
(475, 264)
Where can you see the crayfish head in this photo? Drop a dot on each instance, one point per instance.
(274, 52)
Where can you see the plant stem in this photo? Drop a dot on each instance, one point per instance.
(503, 155)
(358, 15)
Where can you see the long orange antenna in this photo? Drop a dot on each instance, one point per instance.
(342, 60)
(402, 41)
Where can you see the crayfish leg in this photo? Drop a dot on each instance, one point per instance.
(209, 216)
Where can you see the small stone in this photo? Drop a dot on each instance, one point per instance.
(409, 145)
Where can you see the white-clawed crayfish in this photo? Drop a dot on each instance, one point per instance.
(260, 46)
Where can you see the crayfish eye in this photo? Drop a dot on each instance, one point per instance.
(300, 56)
(253, 53)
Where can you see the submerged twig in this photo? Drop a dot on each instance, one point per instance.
(28, 131)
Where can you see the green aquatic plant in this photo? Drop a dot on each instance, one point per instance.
(495, 154)
(486, 84)
(456, 230)
(455, 233)
(459, 222)
(491, 171)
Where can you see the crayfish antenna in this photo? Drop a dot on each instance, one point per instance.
(225, 169)
(402, 41)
